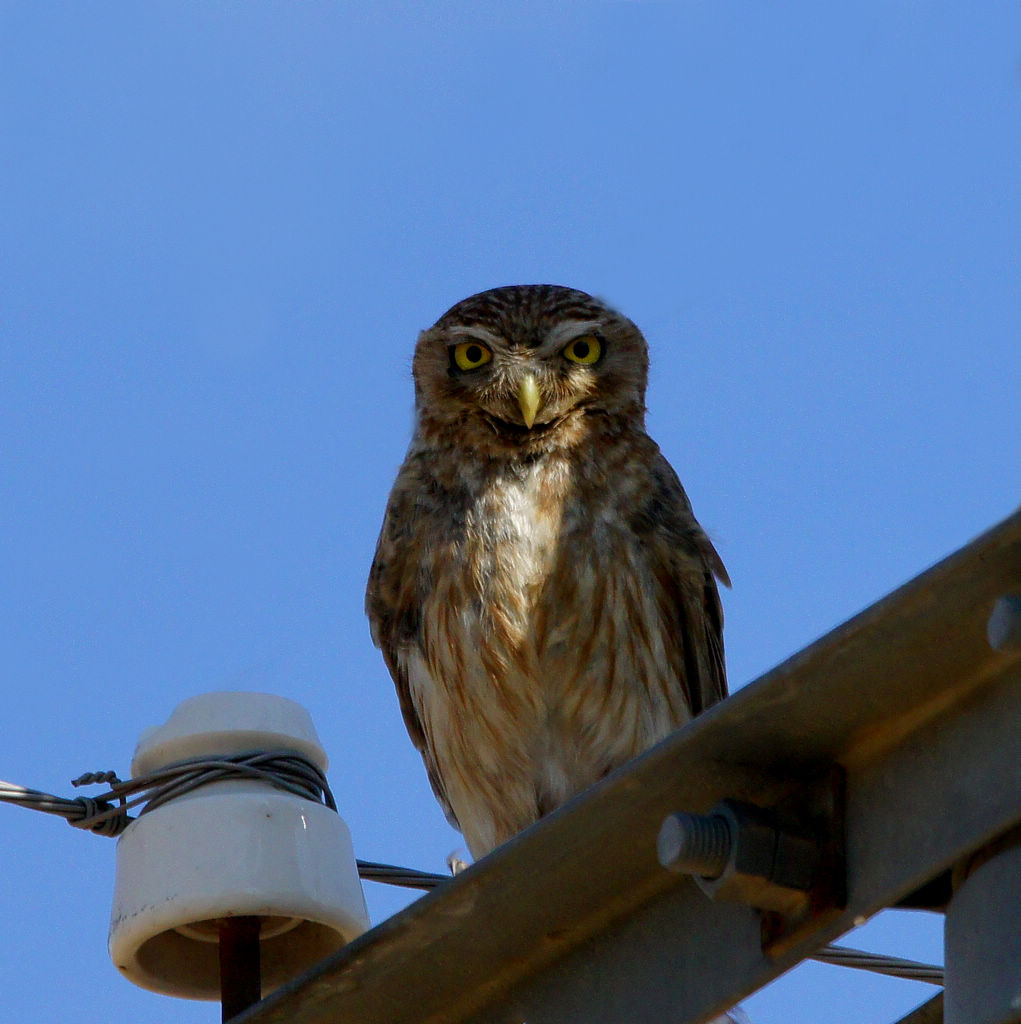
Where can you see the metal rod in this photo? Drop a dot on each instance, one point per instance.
(240, 969)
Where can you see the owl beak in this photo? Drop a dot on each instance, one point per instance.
(528, 399)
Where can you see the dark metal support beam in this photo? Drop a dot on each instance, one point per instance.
(576, 920)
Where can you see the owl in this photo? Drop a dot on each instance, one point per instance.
(542, 594)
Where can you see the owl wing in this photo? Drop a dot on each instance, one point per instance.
(394, 597)
(686, 567)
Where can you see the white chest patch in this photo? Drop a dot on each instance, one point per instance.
(479, 623)
(519, 518)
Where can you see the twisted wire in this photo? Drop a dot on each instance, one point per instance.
(107, 814)
(90, 813)
(879, 963)
(405, 878)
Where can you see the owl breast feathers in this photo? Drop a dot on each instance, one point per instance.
(542, 593)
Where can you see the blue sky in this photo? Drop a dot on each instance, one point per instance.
(222, 226)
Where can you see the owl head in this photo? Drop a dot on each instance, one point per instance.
(528, 368)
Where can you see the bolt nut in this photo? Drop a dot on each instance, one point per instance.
(737, 854)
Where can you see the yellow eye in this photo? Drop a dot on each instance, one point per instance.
(585, 350)
(470, 355)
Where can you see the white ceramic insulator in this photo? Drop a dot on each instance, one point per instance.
(228, 849)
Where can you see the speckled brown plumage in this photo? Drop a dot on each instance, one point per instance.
(543, 596)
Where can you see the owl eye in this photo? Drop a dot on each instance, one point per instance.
(585, 350)
(470, 355)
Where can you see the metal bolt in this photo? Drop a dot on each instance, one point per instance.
(695, 844)
(738, 853)
(1004, 626)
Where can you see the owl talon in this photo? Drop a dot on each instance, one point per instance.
(456, 862)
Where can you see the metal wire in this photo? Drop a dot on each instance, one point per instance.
(406, 878)
(107, 814)
(879, 963)
(92, 814)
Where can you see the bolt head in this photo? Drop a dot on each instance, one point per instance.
(1004, 627)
